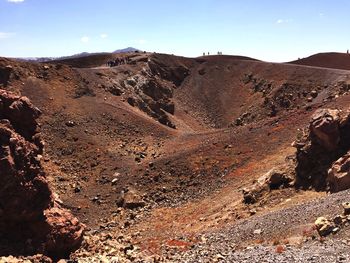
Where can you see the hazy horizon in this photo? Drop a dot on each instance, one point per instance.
(266, 30)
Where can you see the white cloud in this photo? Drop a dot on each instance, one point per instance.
(141, 41)
(15, 1)
(4, 35)
(85, 39)
(103, 35)
(321, 15)
(283, 21)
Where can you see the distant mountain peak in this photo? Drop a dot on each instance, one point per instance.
(125, 50)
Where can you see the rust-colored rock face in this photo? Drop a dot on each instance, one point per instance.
(24, 192)
(26, 200)
(324, 127)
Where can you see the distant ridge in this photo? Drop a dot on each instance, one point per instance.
(79, 55)
(326, 60)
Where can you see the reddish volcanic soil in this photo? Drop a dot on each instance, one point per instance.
(110, 133)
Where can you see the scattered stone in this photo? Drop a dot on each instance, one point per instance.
(114, 181)
(218, 258)
(257, 231)
(323, 226)
(70, 123)
(314, 93)
(252, 212)
(239, 122)
(346, 207)
(339, 220)
(77, 189)
(335, 230)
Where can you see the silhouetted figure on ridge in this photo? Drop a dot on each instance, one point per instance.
(118, 61)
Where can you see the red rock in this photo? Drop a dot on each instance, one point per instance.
(65, 231)
(27, 205)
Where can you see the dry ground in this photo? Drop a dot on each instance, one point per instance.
(191, 176)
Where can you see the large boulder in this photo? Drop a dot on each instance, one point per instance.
(339, 174)
(64, 233)
(277, 177)
(27, 207)
(131, 199)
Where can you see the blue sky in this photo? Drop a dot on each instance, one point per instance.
(271, 30)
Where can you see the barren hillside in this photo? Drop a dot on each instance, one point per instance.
(326, 60)
(153, 154)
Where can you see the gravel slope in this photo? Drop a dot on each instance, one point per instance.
(223, 245)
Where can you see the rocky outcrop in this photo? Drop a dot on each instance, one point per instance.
(322, 159)
(22, 116)
(324, 128)
(170, 71)
(324, 142)
(151, 96)
(27, 206)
